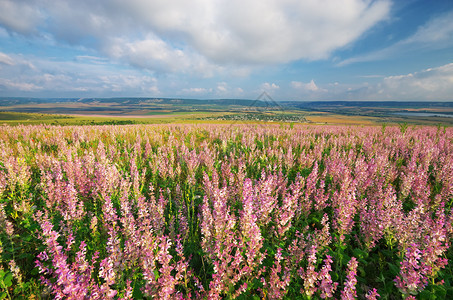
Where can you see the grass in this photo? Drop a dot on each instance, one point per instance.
(14, 118)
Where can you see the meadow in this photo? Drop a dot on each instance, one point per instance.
(226, 211)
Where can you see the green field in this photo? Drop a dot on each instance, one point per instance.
(17, 118)
(123, 111)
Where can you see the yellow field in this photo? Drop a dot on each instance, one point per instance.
(343, 120)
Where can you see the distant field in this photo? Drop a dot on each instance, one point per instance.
(339, 119)
(109, 111)
(14, 118)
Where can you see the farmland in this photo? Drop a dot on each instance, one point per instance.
(228, 211)
(108, 111)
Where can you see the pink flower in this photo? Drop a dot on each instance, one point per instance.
(310, 276)
(349, 291)
(326, 286)
(412, 278)
(372, 294)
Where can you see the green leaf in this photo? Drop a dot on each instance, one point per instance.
(387, 253)
(27, 238)
(358, 253)
(137, 293)
(425, 294)
(440, 291)
(7, 280)
(346, 259)
(244, 297)
(393, 268)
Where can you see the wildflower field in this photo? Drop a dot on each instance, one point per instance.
(226, 211)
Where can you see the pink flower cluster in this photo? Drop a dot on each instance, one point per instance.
(192, 211)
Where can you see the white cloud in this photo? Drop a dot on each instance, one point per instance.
(155, 54)
(432, 84)
(130, 82)
(150, 53)
(21, 86)
(195, 90)
(6, 59)
(269, 86)
(18, 74)
(222, 87)
(201, 36)
(17, 63)
(20, 16)
(435, 34)
(91, 59)
(311, 86)
(429, 84)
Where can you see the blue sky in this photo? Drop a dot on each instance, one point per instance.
(292, 49)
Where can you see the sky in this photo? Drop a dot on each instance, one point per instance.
(208, 49)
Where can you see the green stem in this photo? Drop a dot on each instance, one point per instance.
(6, 289)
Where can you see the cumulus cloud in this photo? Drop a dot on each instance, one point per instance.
(20, 16)
(200, 36)
(223, 89)
(154, 54)
(150, 53)
(268, 87)
(429, 84)
(311, 86)
(281, 31)
(434, 84)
